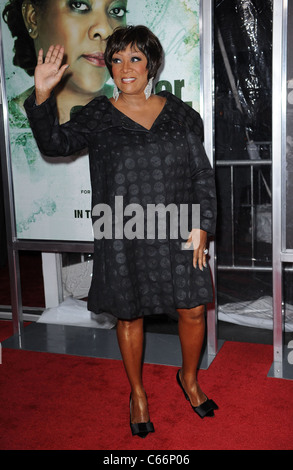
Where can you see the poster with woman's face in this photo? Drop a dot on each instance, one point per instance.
(53, 196)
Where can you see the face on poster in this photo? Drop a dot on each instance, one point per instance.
(53, 196)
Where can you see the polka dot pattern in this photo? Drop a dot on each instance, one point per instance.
(164, 165)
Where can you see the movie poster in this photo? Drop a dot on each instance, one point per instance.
(53, 196)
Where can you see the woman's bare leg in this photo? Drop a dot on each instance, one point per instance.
(191, 328)
(130, 338)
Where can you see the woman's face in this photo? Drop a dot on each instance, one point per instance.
(129, 69)
(82, 27)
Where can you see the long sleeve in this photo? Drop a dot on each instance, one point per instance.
(54, 139)
(202, 174)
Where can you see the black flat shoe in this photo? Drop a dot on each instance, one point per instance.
(140, 429)
(205, 409)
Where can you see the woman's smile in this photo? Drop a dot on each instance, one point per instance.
(128, 80)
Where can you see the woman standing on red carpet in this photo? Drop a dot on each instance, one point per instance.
(144, 150)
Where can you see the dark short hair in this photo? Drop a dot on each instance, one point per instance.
(24, 48)
(143, 39)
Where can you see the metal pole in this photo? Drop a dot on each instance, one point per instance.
(13, 258)
(280, 10)
(207, 111)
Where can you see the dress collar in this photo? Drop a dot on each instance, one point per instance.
(112, 117)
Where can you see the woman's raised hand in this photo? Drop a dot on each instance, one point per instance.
(48, 72)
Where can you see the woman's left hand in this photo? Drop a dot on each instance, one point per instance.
(198, 240)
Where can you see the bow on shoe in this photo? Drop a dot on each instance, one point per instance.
(205, 409)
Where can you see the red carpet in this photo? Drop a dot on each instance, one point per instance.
(60, 402)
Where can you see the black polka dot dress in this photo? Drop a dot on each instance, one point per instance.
(138, 270)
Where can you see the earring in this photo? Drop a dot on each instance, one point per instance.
(148, 88)
(30, 30)
(115, 92)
